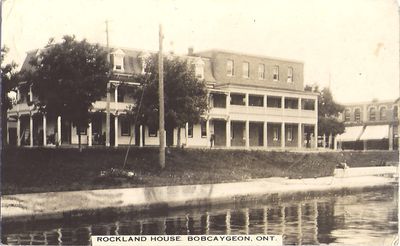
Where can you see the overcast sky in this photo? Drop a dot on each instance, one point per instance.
(353, 44)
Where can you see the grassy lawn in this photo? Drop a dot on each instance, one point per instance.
(43, 170)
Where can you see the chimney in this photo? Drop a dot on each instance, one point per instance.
(190, 51)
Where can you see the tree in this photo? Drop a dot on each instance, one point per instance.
(68, 77)
(185, 96)
(9, 78)
(328, 112)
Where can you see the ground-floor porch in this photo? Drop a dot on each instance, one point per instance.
(39, 130)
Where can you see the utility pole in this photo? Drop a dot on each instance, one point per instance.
(108, 92)
(161, 99)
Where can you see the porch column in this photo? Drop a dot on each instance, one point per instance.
(44, 130)
(265, 141)
(90, 134)
(315, 136)
(228, 101)
(282, 102)
(18, 131)
(265, 101)
(247, 133)
(59, 130)
(299, 106)
(283, 137)
(299, 136)
(323, 141)
(390, 136)
(246, 103)
(228, 133)
(116, 129)
(30, 130)
(330, 141)
(187, 133)
(208, 133)
(141, 136)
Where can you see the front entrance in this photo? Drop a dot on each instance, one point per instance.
(65, 132)
(170, 137)
(12, 136)
(219, 132)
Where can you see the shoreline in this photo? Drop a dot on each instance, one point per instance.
(56, 205)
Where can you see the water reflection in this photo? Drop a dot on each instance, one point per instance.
(364, 218)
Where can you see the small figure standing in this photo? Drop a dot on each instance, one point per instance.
(212, 139)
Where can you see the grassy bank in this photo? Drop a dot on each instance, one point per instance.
(42, 170)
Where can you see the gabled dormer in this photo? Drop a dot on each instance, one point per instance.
(199, 68)
(118, 60)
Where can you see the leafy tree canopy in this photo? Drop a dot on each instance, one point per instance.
(185, 96)
(9, 78)
(328, 112)
(68, 77)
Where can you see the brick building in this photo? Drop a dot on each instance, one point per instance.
(255, 102)
(370, 125)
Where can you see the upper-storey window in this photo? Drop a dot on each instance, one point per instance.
(372, 114)
(118, 60)
(395, 113)
(246, 70)
(230, 68)
(290, 75)
(275, 73)
(382, 113)
(121, 94)
(347, 115)
(199, 68)
(261, 71)
(357, 115)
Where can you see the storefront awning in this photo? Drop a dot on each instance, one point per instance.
(375, 132)
(351, 133)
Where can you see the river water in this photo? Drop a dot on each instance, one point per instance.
(358, 218)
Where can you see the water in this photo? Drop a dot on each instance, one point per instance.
(367, 218)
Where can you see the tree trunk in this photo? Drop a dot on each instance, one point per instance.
(178, 137)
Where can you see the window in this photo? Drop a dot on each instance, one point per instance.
(357, 115)
(382, 113)
(82, 130)
(275, 133)
(274, 102)
(290, 75)
(395, 112)
(118, 62)
(291, 103)
(289, 133)
(347, 115)
(230, 68)
(125, 126)
(308, 104)
(203, 126)
(256, 101)
(152, 131)
(238, 99)
(199, 71)
(261, 71)
(246, 70)
(190, 130)
(372, 114)
(275, 73)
